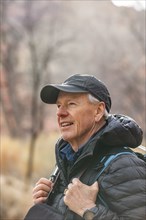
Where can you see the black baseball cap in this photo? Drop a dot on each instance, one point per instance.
(77, 83)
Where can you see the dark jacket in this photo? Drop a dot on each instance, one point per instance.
(123, 183)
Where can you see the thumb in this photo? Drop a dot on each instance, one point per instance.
(95, 186)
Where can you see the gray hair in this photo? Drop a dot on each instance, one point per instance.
(94, 100)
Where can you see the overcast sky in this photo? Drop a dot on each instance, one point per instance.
(137, 4)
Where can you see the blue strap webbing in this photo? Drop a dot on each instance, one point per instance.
(109, 160)
(106, 161)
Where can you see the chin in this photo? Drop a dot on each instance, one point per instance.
(66, 138)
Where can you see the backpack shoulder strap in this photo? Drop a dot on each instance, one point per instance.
(106, 160)
(54, 178)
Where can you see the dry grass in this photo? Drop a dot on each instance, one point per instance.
(16, 193)
(14, 155)
(16, 198)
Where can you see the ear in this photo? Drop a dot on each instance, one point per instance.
(99, 111)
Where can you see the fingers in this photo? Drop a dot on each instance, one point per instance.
(79, 196)
(65, 191)
(44, 181)
(76, 183)
(43, 184)
(41, 189)
(40, 197)
(74, 187)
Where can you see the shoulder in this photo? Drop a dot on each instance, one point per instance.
(126, 161)
(124, 168)
(123, 186)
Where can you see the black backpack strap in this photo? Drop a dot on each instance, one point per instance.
(141, 156)
(54, 178)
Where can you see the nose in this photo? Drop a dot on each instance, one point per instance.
(62, 111)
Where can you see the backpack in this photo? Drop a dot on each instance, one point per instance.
(107, 159)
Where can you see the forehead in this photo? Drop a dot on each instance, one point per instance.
(69, 95)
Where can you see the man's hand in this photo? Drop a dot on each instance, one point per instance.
(79, 197)
(41, 190)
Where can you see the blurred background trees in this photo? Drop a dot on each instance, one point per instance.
(45, 42)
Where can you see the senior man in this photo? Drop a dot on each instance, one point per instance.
(88, 133)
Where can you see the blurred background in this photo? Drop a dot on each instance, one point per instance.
(45, 42)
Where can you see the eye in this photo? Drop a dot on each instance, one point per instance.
(58, 105)
(71, 103)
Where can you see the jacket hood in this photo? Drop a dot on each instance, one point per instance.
(121, 131)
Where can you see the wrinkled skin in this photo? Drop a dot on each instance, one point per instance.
(80, 197)
(41, 189)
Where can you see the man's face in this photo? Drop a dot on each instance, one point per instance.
(76, 118)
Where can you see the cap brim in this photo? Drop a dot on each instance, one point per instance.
(49, 93)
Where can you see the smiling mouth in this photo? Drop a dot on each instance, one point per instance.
(66, 124)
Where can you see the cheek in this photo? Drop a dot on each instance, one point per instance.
(85, 120)
(58, 120)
